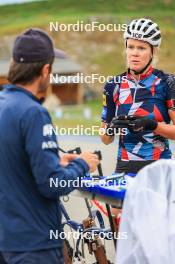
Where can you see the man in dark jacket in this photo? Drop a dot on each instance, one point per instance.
(29, 159)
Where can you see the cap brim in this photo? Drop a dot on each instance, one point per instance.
(59, 54)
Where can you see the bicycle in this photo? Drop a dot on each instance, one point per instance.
(88, 226)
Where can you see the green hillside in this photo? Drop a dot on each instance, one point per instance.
(15, 17)
(97, 52)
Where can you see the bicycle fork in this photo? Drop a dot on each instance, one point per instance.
(95, 245)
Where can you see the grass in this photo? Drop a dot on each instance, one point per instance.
(107, 55)
(73, 116)
(17, 17)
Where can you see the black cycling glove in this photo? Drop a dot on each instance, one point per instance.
(134, 123)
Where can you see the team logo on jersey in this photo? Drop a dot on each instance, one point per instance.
(104, 100)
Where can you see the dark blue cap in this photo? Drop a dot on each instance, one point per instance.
(34, 45)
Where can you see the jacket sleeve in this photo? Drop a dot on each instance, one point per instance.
(52, 179)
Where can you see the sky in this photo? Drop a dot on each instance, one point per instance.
(7, 2)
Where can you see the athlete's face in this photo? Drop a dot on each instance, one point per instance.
(138, 54)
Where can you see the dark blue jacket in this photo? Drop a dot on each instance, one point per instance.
(28, 160)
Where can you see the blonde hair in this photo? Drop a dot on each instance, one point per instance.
(155, 56)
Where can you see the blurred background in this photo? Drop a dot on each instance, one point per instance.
(87, 52)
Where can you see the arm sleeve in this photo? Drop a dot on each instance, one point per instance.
(42, 150)
(109, 107)
(170, 92)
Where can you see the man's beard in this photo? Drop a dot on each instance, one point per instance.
(43, 85)
(42, 90)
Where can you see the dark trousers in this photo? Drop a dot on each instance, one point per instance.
(51, 256)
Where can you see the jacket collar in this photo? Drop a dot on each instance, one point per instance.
(13, 87)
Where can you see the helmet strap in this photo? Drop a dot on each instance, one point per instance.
(142, 70)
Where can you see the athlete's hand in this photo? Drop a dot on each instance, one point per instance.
(91, 159)
(135, 123)
(120, 122)
(117, 123)
(140, 124)
(110, 130)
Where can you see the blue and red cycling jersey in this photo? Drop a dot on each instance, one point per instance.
(150, 96)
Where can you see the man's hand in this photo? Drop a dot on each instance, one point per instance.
(134, 123)
(65, 159)
(91, 159)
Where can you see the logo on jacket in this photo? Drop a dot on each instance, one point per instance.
(48, 130)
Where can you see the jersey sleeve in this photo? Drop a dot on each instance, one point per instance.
(109, 106)
(170, 92)
(42, 150)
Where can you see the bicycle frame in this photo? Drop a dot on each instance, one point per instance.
(88, 225)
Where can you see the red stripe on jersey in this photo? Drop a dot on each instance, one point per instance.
(153, 89)
(156, 153)
(124, 154)
(124, 85)
(129, 100)
(147, 73)
(115, 97)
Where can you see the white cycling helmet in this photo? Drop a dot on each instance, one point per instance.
(144, 29)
